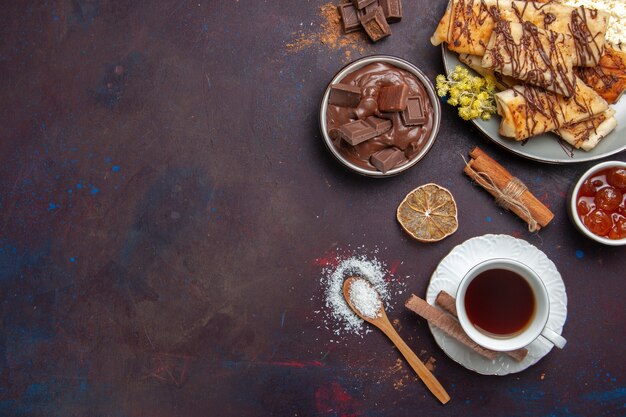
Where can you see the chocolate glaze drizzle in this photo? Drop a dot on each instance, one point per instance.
(541, 63)
(588, 49)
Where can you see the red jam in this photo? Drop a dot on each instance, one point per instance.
(601, 203)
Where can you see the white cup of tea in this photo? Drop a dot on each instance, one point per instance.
(503, 305)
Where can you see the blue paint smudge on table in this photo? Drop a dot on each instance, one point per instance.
(606, 396)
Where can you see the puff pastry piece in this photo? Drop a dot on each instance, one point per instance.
(529, 111)
(587, 134)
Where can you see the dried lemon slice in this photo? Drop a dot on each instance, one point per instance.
(428, 213)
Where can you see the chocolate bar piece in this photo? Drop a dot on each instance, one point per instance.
(393, 98)
(367, 9)
(360, 4)
(349, 17)
(375, 24)
(344, 95)
(392, 9)
(387, 158)
(381, 125)
(447, 323)
(356, 132)
(414, 115)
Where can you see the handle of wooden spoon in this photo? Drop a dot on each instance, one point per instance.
(426, 376)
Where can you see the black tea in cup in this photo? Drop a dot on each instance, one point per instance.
(500, 302)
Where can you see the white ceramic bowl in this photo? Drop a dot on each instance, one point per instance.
(402, 64)
(573, 213)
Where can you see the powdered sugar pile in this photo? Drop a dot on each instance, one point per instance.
(339, 317)
(365, 299)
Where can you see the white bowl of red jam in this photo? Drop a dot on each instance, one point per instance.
(598, 203)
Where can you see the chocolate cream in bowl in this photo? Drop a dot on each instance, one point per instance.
(409, 139)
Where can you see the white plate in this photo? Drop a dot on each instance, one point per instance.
(548, 147)
(461, 259)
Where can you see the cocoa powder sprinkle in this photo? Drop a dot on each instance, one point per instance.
(329, 34)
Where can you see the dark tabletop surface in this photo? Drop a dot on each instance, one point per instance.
(167, 207)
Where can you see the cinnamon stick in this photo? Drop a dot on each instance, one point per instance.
(448, 303)
(447, 323)
(481, 165)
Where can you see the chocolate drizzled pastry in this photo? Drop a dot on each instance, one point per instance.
(467, 25)
(528, 111)
(609, 77)
(475, 62)
(540, 57)
(587, 134)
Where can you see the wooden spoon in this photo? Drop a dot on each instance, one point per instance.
(382, 322)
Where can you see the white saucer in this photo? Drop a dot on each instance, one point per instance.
(464, 256)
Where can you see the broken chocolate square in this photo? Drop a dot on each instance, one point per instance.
(349, 18)
(367, 9)
(392, 9)
(414, 115)
(344, 95)
(356, 132)
(375, 24)
(393, 98)
(381, 125)
(387, 158)
(360, 4)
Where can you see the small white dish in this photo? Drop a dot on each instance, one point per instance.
(573, 213)
(455, 266)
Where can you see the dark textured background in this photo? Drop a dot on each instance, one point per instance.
(167, 207)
